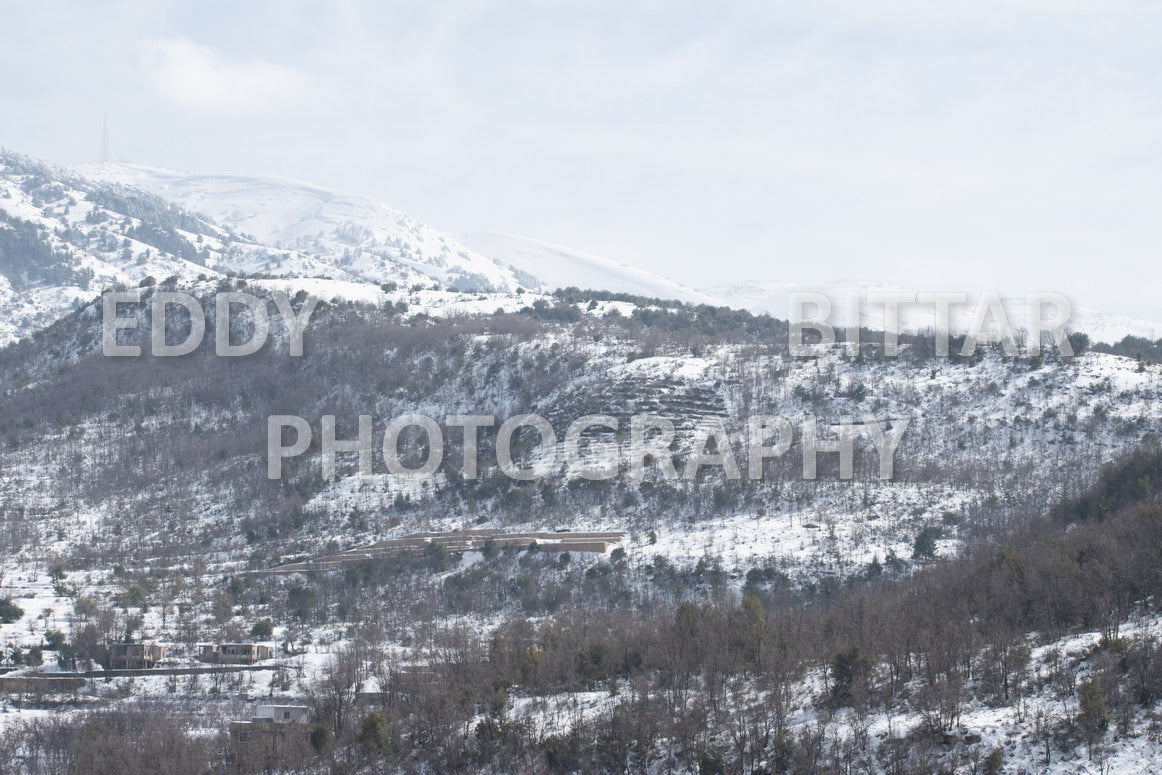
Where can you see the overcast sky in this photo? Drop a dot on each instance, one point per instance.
(958, 144)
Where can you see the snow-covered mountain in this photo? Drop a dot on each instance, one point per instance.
(772, 298)
(559, 267)
(355, 237)
(64, 238)
(359, 239)
(65, 235)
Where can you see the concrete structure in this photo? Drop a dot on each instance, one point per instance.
(132, 656)
(236, 653)
(459, 541)
(281, 714)
(275, 734)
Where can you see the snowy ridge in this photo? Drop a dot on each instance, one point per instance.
(97, 227)
(355, 237)
(559, 267)
(64, 238)
(772, 298)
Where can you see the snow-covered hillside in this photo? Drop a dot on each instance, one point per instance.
(772, 298)
(356, 237)
(559, 267)
(64, 238)
(107, 224)
(67, 235)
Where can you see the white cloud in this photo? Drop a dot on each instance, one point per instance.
(195, 76)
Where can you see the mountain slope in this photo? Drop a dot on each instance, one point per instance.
(357, 238)
(66, 235)
(977, 427)
(64, 238)
(772, 298)
(354, 238)
(559, 267)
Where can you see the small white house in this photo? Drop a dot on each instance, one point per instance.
(281, 714)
